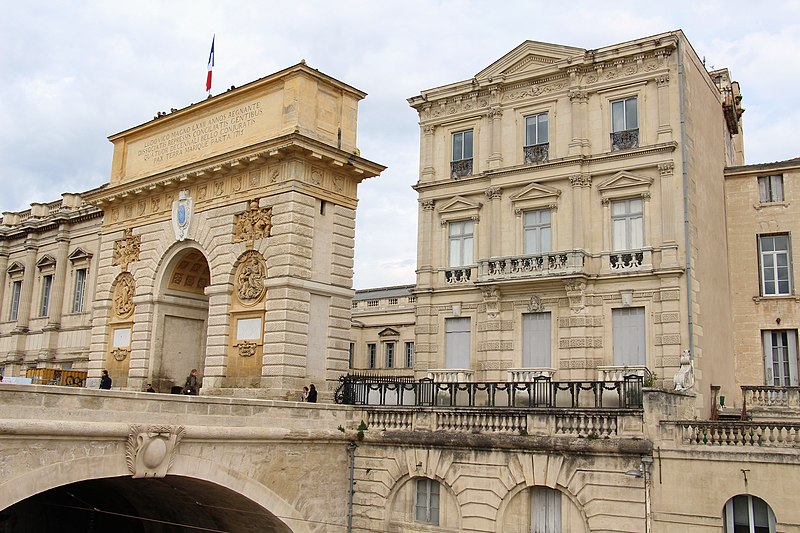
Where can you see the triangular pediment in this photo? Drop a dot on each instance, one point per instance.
(47, 261)
(624, 180)
(389, 332)
(530, 56)
(79, 254)
(16, 268)
(459, 204)
(536, 191)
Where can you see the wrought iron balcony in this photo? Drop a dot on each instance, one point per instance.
(624, 140)
(458, 276)
(460, 169)
(531, 266)
(537, 153)
(539, 393)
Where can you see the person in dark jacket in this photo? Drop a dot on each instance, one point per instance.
(312, 394)
(105, 380)
(191, 383)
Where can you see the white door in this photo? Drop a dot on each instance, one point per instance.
(536, 344)
(629, 336)
(457, 342)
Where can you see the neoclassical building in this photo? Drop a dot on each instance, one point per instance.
(602, 335)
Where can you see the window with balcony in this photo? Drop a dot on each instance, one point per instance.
(80, 290)
(748, 514)
(780, 357)
(537, 232)
(457, 342)
(389, 352)
(461, 164)
(372, 350)
(770, 188)
(536, 343)
(16, 290)
(409, 355)
(624, 124)
(627, 224)
(629, 336)
(545, 510)
(47, 284)
(775, 265)
(461, 243)
(536, 138)
(426, 508)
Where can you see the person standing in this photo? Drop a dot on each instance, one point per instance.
(150, 388)
(190, 387)
(312, 394)
(304, 396)
(105, 380)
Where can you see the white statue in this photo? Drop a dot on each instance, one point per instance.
(684, 379)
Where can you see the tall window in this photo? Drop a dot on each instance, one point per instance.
(537, 231)
(545, 510)
(462, 145)
(371, 354)
(536, 129)
(748, 514)
(624, 115)
(775, 269)
(350, 353)
(389, 355)
(461, 243)
(409, 355)
(770, 188)
(627, 224)
(629, 336)
(427, 501)
(457, 342)
(16, 290)
(47, 284)
(80, 290)
(536, 340)
(780, 357)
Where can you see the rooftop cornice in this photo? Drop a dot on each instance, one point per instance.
(761, 168)
(278, 147)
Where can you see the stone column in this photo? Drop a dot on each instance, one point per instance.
(3, 273)
(495, 117)
(580, 105)
(669, 253)
(59, 280)
(425, 244)
(26, 296)
(580, 184)
(427, 170)
(495, 246)
(664, 132)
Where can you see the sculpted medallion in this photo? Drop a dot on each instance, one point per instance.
(250, 276)
(123, 295)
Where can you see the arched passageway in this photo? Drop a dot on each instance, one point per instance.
(125, 505)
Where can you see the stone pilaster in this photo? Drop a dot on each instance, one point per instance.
(495, 194)
(427, 171)
(495, 117)
(579, 101)
(664, 132)
(425, 244)
(581, 184)
(26, 296)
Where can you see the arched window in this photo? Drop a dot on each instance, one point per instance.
(748, 514)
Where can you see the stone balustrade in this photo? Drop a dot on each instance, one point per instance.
(532, 266)
(755, 434)
(625, 261)
(521, 375)
(618, 373)
(570, 423)
(765, 396)
(458, 276)
(451, 375)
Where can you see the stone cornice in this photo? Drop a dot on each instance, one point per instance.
(41, 225)
(209, 169)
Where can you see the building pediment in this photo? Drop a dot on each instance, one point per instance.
(459, 205)
(16, 268)
(388, 332)
(624, 182)
(535, 196)
(47, 261)
(78, 255)
(530, 56)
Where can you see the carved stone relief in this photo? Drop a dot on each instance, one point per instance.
(120, 353)
(126, 250)
(150, 450)
(535, 305)
(250, 276)
(255, 223)
(246, 348)
(575, 292)
(123, 295)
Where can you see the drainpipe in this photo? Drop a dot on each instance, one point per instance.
(647, 462)
(351, 452)
(684, 174)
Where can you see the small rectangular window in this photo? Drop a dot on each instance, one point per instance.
(629, 336)
(780, 357)
(371, 354)
(624, 115)
(409, 355)
(461, 243)
(457, 342)
(350, 352)
(47, 284)
(627, 224)
(16, 290)
(537, 231)
(80, 290)
(389, 355)
(462, 145)
(536, 129)
(770, 188)
(774, 251)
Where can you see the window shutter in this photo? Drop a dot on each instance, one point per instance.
(769, 379)
(792, 347)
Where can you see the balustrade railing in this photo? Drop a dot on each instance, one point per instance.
(457, 276)
(539, 393)
(619, 373)
(768, 396)
(451, 375)
(596, 423)
(760, 434)
(531, 266)
(530, 374)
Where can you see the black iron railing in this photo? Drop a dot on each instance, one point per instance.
(539, 393)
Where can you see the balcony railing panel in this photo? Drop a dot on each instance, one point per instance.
(619, 373)
(539, 393)
(460, 169)
(532, 266)
(537, 153)
(625, 261)
(768, 396)
(756, 434)
(624, 140)
(530, 374)
(458, 276)
(451, 375)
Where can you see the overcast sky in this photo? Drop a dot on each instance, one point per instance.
(73, 73)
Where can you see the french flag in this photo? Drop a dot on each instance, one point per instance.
(210, 65)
